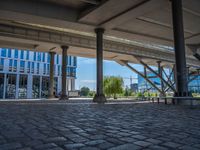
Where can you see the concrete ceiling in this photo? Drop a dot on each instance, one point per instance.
(146, 21)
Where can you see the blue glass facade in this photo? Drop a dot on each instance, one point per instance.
(194, 85)
(31, 66)
(143, 85)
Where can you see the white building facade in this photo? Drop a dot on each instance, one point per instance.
(25, 74)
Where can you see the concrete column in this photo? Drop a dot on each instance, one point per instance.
(179, 44)
(99, 97)
(51, 76)
(64, 95)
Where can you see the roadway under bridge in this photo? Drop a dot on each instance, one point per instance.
(149, 32)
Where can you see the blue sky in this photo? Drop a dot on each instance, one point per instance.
(86, 72)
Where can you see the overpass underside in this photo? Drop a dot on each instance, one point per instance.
(159, 33)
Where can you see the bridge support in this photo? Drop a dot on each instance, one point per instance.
(99, 97)
(157, 74)
(142, 75)
(51, 77)
(64, 95)
(160, 72)
(179, 44)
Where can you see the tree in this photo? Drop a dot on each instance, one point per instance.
(127, 92)
(85, 91)
(113, 86)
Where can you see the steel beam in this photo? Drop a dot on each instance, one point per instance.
(150, 69)
(170, 75)
(160, 70)
(146, 78)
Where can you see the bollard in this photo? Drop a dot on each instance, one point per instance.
(165, 100)
(158, 100)
(173, 101)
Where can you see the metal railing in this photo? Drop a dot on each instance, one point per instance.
(172, 99)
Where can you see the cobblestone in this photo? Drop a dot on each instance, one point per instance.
(88, 126)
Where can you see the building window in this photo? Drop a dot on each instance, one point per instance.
(16, 53)
(34, 56)
(44, 69)
(22, 65)
(9, 53)
(69, 61)
(11, 86)
(48, 68)
(36, 87)
(15, 66)
(58, 70)
(22, 91)
(32, 68)
(22, 54)
(27, 55)
(68, 71)
(48, 58)
(10, 64)
(38, 68)
(1, 64)
(43, 58)
(3, 52)
(75, 61)
(73, 72)
(28, 67)
(39, 56)
(57, 59)
(45, 87)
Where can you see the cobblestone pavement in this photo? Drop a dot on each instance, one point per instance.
(61, 126)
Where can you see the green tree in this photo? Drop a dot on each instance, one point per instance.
(85, 91)
(91, 93)
(127, 92)
(139, 94)
(113, 86)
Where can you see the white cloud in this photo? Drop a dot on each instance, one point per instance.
(88, 81)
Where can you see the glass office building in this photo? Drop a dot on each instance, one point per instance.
(143, 85)
(25, 74)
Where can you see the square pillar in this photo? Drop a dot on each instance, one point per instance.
(99, 97)
(64, 95)
(51, 76)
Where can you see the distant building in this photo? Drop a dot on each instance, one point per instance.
(194, 86)
(134, 87)
(25, 74)
(143, 85)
